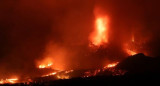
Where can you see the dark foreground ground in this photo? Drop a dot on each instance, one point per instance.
(141, 71)
(130, 80)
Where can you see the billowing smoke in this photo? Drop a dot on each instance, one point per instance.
(32, 30)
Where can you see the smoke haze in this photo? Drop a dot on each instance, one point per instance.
(34, 29)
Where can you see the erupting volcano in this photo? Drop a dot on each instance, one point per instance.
(68, 41)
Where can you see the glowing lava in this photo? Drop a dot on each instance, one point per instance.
(45, 66)
(69, 71)
(9, 81)
(100, 33)
(51, 74)
(63, 77)
(100, 36)
(130, 48)
(112, 65)
(45, 63)
(130, 52)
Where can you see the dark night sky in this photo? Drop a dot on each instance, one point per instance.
(27, 26)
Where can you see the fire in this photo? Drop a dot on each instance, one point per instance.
(91, 73)
(45, 66)
(63, 76)
(130, 47)
(51, 74)
(130, 52)
(60, 74)
(112, 65)
(45, 63)
(69, 71)
(101, 31)
(9, 81)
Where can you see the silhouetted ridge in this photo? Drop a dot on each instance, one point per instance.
(139, 63)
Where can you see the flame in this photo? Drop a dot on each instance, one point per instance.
(130, 47)
(99, 36)
(45, 63)
(112, 65)
(130, 52)
(45, 66)
(69, 71)
(95, 72)
(50, 74)
(91, 73)
(109, 67)
(63, 76)
(9, 81)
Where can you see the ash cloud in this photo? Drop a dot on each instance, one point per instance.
(28, 26)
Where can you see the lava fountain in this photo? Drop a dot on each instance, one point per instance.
(100, 34)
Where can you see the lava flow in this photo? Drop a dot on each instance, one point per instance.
(112, 65)
(45, 66)
(130, 52)
(9, 81)
(45, 63)
(109, 67)
(50, 74)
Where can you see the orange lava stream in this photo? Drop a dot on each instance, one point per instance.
(112, 65)
(9, 81)
(45, 66)
(51, 74)
(130, 52)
